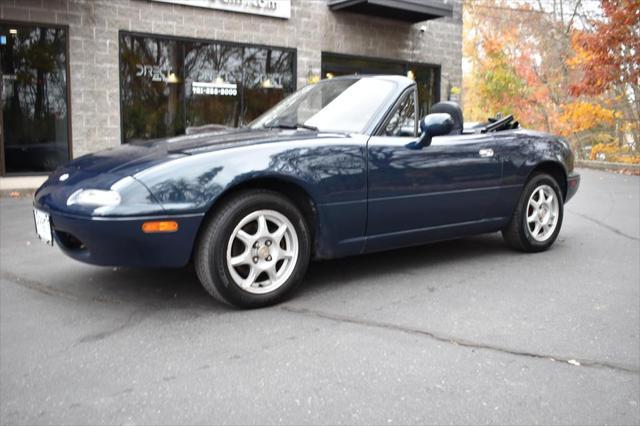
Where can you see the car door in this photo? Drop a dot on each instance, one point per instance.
(440, 191)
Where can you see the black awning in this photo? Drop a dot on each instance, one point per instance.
(404, 10)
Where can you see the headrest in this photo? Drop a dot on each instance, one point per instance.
(454, 110)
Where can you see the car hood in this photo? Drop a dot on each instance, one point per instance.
(104, 169)
(129, 159)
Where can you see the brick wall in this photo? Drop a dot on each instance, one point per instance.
(312, 29)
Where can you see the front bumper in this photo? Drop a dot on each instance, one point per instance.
(119, 241)
(573, 182)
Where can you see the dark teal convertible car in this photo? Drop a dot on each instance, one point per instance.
(340, 168)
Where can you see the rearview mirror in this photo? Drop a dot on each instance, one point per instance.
(437, 124)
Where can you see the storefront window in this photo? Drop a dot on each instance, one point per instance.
(267, 80)
(213, 73)
(152, 103)
(171, 86)
(34, 113)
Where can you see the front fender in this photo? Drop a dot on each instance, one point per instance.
(332, 171)
(329, 170)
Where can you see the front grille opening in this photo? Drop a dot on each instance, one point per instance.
(70, 241)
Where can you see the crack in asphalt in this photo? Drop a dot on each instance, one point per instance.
(458, 341)
(73, 296)
(604, 225)
(50, 291)
(89, 338)
(41, 288)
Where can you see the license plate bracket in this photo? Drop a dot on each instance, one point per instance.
(43, 226)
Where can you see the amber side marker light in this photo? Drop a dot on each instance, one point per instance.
(159, 226)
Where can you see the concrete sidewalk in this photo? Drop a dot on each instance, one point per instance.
(20, 185)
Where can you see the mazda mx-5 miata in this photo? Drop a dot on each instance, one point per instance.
(342, 167)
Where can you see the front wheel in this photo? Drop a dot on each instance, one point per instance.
(254, 250)
(536, 222)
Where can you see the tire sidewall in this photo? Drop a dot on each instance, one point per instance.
(219, 240)
(535, 182)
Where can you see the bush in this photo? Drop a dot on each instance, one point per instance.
(614, 153)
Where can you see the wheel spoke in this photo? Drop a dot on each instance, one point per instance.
(251, 278)
(245, 238)
(271, 272)
(263, 230)
(536, 230)
(549, 199)
(541, 198)
(241, 259)
(533, 216)
(277, 236)
(286, 254)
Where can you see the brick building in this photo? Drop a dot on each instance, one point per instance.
(83, 75)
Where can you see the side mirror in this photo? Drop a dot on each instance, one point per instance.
(436, 124)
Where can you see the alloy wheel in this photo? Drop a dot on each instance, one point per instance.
(262, 251)
(542, 213)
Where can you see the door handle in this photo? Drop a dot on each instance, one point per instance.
(486, 153)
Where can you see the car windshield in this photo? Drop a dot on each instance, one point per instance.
(337, 105)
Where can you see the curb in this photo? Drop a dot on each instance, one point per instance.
(17, 193)
(605, 165)
(20, 186)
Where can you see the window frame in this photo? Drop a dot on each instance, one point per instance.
(292, 50)
(19, 23)
(410, 91)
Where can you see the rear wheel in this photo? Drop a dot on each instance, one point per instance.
(536, 222)
(254, 250)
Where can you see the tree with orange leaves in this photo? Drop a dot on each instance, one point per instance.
(609, 58)
(521, 58)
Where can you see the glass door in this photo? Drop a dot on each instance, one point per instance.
(34, 92)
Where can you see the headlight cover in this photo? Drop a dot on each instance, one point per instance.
(94, 197)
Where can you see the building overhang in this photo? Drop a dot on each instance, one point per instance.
(403, 10)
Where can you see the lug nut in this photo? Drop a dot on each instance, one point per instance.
(268, 243)
(268, 258)
(255, 260)
(256, 245)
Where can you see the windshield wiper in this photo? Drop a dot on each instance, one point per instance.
(291, 126)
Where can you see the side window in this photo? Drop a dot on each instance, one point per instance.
(403, 119)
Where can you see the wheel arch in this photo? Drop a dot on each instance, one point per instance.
(292, 190)
(556, 170)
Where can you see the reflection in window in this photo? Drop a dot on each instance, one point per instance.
(34, 97)
(212, 75)
(403, 119)
(172, 86)
(341, 105)
(427, 80)
(152, 95)
(268, 78)
(354, 108)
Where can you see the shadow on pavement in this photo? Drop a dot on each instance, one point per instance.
(180, 288)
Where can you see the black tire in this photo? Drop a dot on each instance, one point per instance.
(210, 258)
(517, 234)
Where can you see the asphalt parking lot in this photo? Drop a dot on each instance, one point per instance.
(458, 332)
